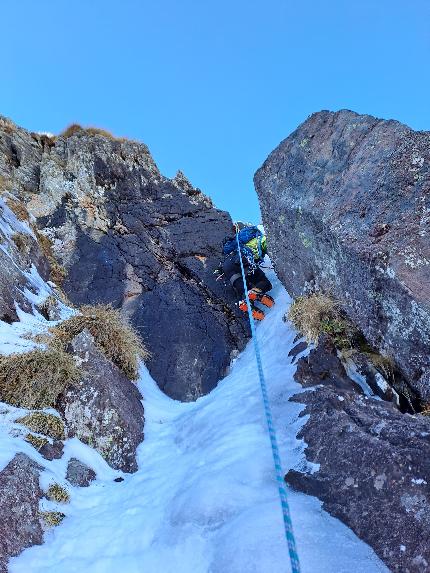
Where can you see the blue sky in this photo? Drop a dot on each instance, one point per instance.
(212, 86)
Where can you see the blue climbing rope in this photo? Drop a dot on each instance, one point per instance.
(294, 558)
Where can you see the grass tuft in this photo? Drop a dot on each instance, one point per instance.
(99, 131)
(71, 130)
(44, 423)
(7, 125)
(58, 493)
(425, 410)
(35, 379)
(36, 441)
(317, 314)
(112, 333)
(77, 129)
(23, 243)
(18, 209)
(52, 518)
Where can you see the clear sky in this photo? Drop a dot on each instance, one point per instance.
(212, 86)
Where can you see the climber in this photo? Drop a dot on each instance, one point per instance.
(253, 249)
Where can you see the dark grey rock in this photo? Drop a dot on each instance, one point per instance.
(19, 508)
(422, 387)
(345, 202)
(297, 349)
(79, 474)
(374, 464)
(325, 368)
(104, 409)
(129, 236)
(52, 451)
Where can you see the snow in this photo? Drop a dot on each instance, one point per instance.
(419, 481)
(10, 224)
(204, 499)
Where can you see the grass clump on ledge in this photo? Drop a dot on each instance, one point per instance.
(52, 518)
(317, 314)
(44, 423)
(35, 379)
(112, 333)
(426, 410)
(76, 128)
(58, 493)
(18, 209)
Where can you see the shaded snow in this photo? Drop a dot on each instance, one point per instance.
(205, 498)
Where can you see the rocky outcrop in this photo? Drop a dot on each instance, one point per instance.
(79, 474)
(126, 235)
(346, 204)
(19, 508)
(373, 463)
(104, 409)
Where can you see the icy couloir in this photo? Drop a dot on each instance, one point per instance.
(204, 499)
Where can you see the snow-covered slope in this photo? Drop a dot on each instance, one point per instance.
(205, 498)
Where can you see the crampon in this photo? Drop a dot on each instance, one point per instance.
(263, 298)
(257, 314)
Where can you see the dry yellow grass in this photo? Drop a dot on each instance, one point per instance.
(7, 125)
(425, 410)
(23, 243)
(52, 518)
(58, 493)
(71, 130)
(36, 441)
(44, 423)
(35, 379)
(317, 314)
(18, 209)
(112, 333)
(76, 128)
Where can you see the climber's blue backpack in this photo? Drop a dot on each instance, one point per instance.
(245, 235)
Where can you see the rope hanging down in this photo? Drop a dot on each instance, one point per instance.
(294, 558)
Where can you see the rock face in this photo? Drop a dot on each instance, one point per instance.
(104, 409)
(19, 508)
(374, 463)
(126, 235)
(19, 252)
(346, 203)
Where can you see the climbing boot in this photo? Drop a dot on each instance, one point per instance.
(255, 294)
(257, 314)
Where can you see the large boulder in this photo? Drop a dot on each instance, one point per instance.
(373, 463)
(104, 409)
(129, 236)
(19, 508)
(345, 201)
